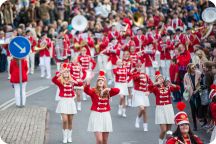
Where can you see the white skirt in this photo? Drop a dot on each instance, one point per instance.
(130, 84)
(66, 106)
(100, 122)
(78, 87)
(164, 114)
(140, 99)
(123, 88)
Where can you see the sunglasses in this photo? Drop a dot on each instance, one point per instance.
(193, 67)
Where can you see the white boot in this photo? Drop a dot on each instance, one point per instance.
(145, 127)
(160, 141)
(65, 133)
(129, 102)
(124, 112)
(69, 136)
(137, 125)
(120, 110)
(79, 106)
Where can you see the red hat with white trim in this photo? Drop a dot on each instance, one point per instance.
(213, 91)
(101, 76)
(181, 117)
(157, 75)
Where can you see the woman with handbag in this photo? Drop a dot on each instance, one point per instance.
(192, 81)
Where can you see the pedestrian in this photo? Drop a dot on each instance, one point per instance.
(183, 133)
(121, 82)
(66, 105)
(140, 95)
(164, 113)
(15, 80)
(192, 81)
(100, 119)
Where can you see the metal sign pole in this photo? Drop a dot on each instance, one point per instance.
(20, 76)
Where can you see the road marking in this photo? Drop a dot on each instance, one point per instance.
(11, 102)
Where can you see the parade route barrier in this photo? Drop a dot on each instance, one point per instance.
(23, 126)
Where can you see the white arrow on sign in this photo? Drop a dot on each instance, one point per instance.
(22, 50)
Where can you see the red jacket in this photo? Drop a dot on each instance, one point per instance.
(141, 81)
(85, 62)
(113, 56)
(121, 75)
(66, 90)
(165, 48)
(184, 59)
(14, 71)
(175, 140)
(45, 52)
(33, 43)
(173, 70)
(100, 104)
(77, 73)
(213, 111)
(163, 94)
(134, 58)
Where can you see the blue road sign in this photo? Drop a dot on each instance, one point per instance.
(19, 47)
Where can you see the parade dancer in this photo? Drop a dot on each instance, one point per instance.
(141, 93)
(44, 45)
(183, 133)
(127, 63)
(66, 106)
(77, 74)
(15, 80)
(212, 107)
(100, 121)
(33, 42)
(121, 82)
(85, 61)
(164, 113)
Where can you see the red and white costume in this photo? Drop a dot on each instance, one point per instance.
(177, 23)
(127, 63)
(212, 107)
(15, 80)
(164, 113)
(100, 118)
(141, 90)
(45, 57)
(31, 59)
(77, 73)
(66, 104)
(165, 49)
(182, 118)
(102, 58)
(121, 76)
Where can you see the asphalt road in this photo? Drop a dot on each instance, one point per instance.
(42, 93)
